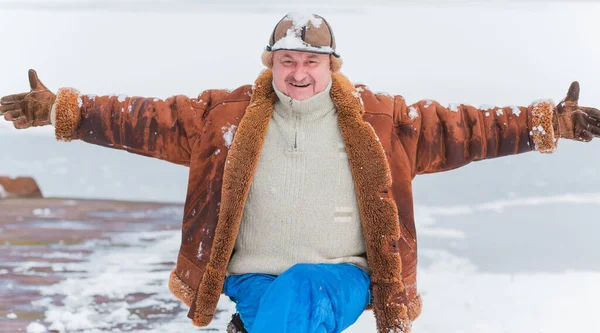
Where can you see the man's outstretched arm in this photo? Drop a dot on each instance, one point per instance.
(439, 138)
(152, 127)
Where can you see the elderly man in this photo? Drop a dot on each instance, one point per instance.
(299, 203)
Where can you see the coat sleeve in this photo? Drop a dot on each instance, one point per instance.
(439, 138)
(164, 129)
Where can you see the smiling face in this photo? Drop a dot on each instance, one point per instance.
(300, 75)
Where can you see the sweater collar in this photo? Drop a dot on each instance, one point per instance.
(307, 110)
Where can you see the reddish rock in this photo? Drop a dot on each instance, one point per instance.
(21, 187)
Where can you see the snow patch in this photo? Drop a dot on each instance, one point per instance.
(11, 316)
(292, 41)
(228, 133)
(199, 255)
(36, 327)
(485, 107)
(3, 193)
(42, 212)
(453, 107)
(515, 110)
(542, 101)
(413, 114)
(301, 19)
(57, 326)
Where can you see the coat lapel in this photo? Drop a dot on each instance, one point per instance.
(237, 177)
(372, 181)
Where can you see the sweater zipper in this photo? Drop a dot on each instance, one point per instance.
(295, 126)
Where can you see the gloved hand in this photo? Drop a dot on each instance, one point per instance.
(575, 122)
(30, 108)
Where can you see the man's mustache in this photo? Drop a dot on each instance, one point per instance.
(299, 83)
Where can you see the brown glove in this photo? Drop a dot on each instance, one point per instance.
(575, 122)
(30, 108)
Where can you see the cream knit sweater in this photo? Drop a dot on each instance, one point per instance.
(302, 205)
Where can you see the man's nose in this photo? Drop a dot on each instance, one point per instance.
(299, 73)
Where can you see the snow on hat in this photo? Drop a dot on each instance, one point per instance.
(303, 32)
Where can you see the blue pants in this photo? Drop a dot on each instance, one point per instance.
(307, 298)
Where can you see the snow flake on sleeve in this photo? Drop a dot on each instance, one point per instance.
(515, 110)
(542, 101)
(356, 94)
(453, 107)
(428, 103)
(540, 129)
(487, 114)
(385, 93)
(228, 132)
(485, 107)
(156, 100)
(499, 112)
(121, 98)
(129, 108)
(413, 114)
(79, 101)
(199, 256)
(91, 97)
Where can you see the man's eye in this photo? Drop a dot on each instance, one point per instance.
(287, 62)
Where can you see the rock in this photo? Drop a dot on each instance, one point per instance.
(21, 187)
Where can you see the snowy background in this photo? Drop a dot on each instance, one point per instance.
(506, 245)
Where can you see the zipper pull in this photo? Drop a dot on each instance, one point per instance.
(296, 140)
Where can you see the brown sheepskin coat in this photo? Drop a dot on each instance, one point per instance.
(388, 144)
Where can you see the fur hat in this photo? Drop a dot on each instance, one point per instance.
(303, 33)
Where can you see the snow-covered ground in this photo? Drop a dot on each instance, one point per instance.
(506, 245)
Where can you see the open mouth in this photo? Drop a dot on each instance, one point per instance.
(300, 85)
